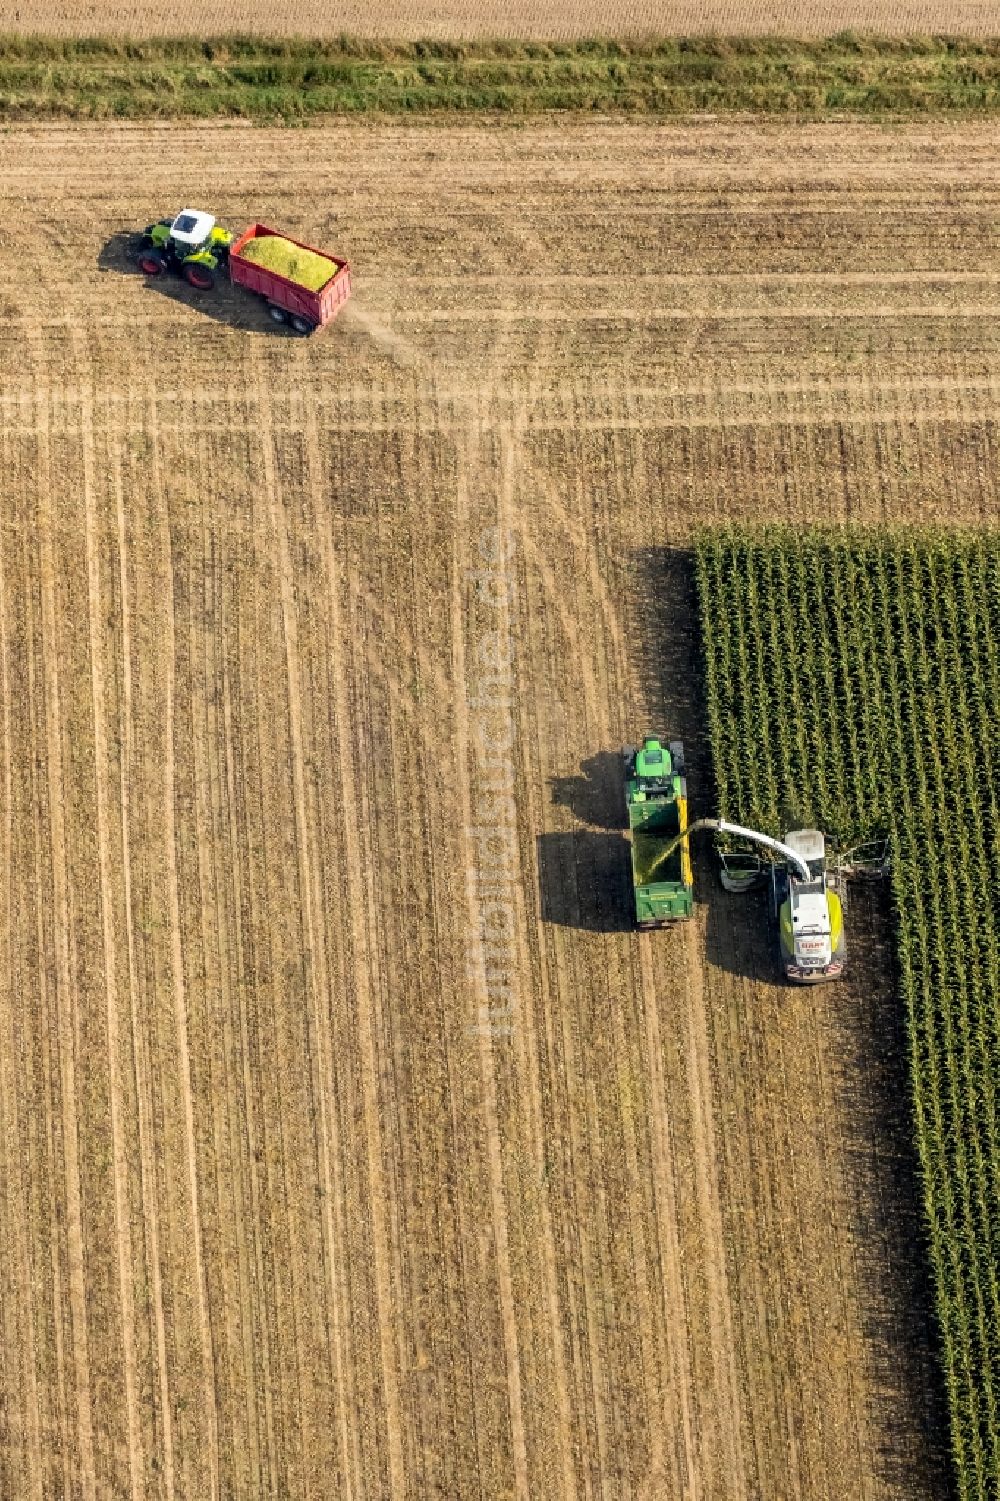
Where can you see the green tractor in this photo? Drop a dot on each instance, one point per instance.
(192, 246)
(656, 806)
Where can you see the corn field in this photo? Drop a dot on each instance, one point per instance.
(853, 682)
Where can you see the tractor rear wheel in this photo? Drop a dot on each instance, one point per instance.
(200, 276)
(152, 262)
(276, 313)
(301, 325)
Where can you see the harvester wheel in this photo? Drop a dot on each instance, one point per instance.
(200, 276)
(301, 325)
(277, 313)
(152, 263)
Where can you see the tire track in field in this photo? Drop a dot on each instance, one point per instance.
(721, 1325)
(839, 1250)
(525, 1040)
(849, 417)
(513, 453)
(814, 1461)
(207, 917)
(701, 1094)
(606, 318)
(159, 497)
(235, 794)
(318, 990)
(13, 1173)
(140, 1048)
(237, 1133)
(676, 1315)
(563, 514)
(483, 406)
(292, 1164)
(46, 1284)
(482, 403)
(63, 980)
(404, 353)
(524, 397)
(96, 609)
(329, 1123)
(387, 1279)
(575, 977)
(498, 1203)
(388, 1272)
(734, 1002)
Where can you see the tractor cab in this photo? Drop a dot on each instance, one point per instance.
(192, 245)
(191, 231)
(653, 766)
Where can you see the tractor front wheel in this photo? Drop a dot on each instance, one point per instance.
(152, 262)
(200, 276)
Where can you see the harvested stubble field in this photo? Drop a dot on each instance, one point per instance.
(291, 1203)
(545, 19)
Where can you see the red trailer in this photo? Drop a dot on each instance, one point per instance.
(286, 302)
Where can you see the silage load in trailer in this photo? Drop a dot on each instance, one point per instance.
(306, 268)
(648, 862)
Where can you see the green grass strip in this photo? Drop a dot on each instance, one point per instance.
(296, 79)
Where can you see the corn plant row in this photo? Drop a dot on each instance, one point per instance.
(853, 683)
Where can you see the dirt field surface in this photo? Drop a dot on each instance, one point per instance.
(350, 1144)
(549, 19)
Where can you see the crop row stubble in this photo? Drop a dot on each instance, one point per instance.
(600, 1214)
(852, 684)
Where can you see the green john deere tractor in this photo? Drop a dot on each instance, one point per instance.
(192, 246)
(656, 804)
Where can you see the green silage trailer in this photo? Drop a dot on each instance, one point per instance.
(656, 806)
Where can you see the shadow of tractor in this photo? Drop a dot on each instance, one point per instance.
(595, 795)
(585, 881)
(225, 303)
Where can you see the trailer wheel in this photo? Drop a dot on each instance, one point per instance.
(200, 276)
(301, 325)
(276, 313)
(152, 263)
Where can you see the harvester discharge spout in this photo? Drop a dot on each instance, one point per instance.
(722, 826)
(807, 899)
